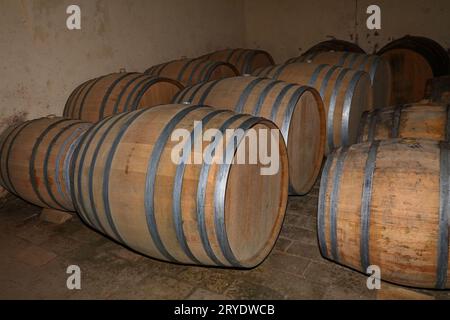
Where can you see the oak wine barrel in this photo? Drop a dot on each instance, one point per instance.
(334, 45)
(418, 120)
(413, 61)
(377, 67)
(126, 185)
(245, 60)
(346, 94)
(386, 203)
(192, 71)
(35, 160)
(297, 110)
(114, 93)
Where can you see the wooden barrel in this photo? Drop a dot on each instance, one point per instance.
(346, 95)
(192, 71)
(419, 120)
(413, 61)
(377, 67)
(386, 203)
(334, 45)
(114, 93)
(35, 160)
(127, 185)
(245, 60)
(297, 110)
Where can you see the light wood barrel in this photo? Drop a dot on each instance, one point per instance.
(413, 61)
(114, 93)
(377, 67)
(386, 203)
(192, 71)
(334, 45)
(418, 120)
(346, 95)
(245, 60)
(126, 185)
(297, 110)
(35, 160)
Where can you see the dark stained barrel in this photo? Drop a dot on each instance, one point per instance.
(127, 185)
(413, 61)
(114, 93)
(192, 71)
(35, 160)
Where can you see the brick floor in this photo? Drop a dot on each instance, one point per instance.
(34, 256)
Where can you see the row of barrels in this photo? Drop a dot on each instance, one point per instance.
(317, 107)
(117, 153)
(114, 93)
(413, 61)
(385, 200)
(297, 110)
(398, 73)
(382, 202)
(312, 122)
(109, 159)
(229, 215)
(119, 176)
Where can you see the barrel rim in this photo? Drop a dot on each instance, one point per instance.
(323, 142)
(259, 256)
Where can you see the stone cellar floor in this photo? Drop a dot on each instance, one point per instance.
(35, 255)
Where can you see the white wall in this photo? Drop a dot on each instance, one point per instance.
(41, 61)
(286, 28)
